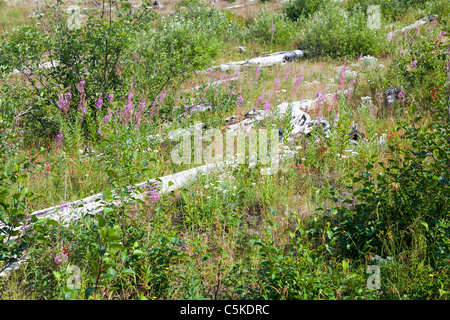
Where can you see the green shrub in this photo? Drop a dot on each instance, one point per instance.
(295, 9)
(273, 28)
(334, 32)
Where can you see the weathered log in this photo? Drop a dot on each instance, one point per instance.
(264, 61)
(418, 23)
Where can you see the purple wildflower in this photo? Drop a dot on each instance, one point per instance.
(110, 98)
(267, 106)
(273, 28)
(106, 118)
(299, 80)
(336, 117)
(343, 75)
(414, 64)
(401, 95)
(61, 258)
(99, 102)
(59, 140)
(154, 196)
(64, 102)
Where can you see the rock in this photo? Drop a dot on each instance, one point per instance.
(242, 49)
(157, 4)
(392, 94)
(356, 136)
(280, 133)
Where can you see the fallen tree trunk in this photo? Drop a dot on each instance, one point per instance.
(265, 61)
(418, 23)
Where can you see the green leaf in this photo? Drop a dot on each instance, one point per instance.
(138, 252)
(111, 271)
(101, 221)
(57, 275)
(50, 222)
(43, 239)
(108, 210)
(88, 292)
(117, 246)
(127, 271)
(344, 265)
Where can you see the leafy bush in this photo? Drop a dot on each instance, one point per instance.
(336, 33)
(270, 27)
(295, 9)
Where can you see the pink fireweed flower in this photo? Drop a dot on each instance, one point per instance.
(267, 106)
(336, 117)
(59, 140)
(414, 64)
(277, 82)
(59, 258)
(256, 74)
(154, 196)
(106, 118)
(110, 98)
(64, 102)
(401, 95)
(273, 28)
(99, 102)
(299, 80)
